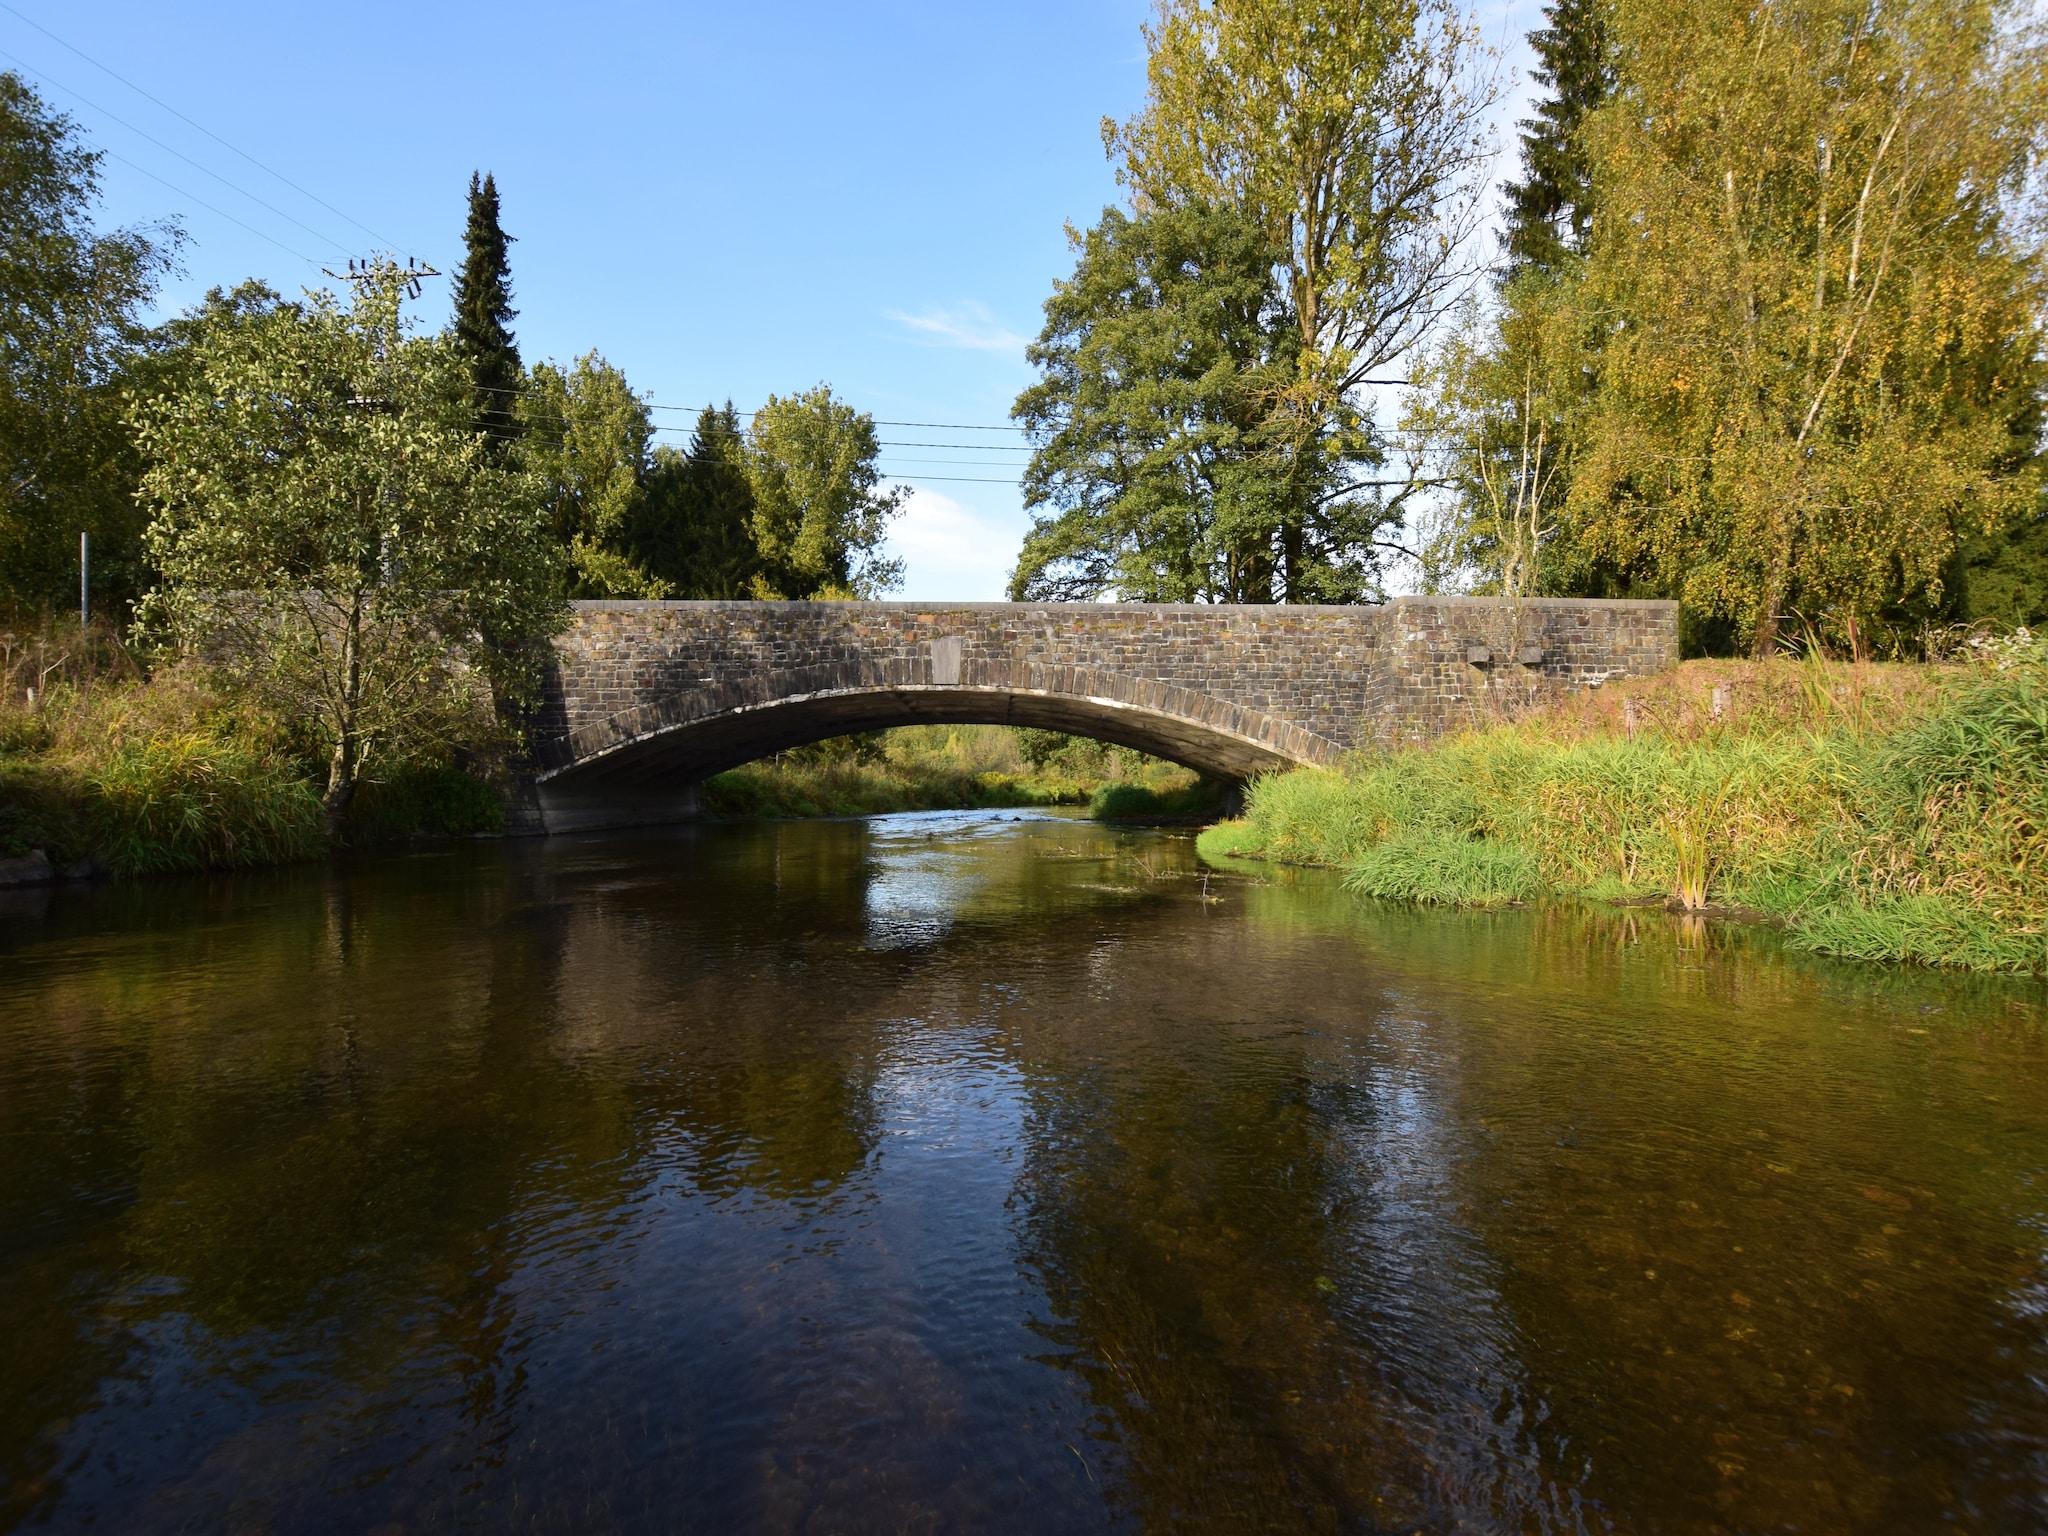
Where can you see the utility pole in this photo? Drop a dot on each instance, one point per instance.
(84, 576)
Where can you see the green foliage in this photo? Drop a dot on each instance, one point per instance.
(955, 767)
(694, 528)
(2001, 577)
(1873, 827)
(69, 301)
(198, 800)
(1550, 210)
(1816, 301)
(1351, 138)
(484, 314)
(819, 514)
(586, 435)
(334, 537)
(416, 800)
(1161, 430)
(1183, 797)
(1446, 872)
(148, 778)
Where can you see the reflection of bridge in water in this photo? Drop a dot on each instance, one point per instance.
(646, 699)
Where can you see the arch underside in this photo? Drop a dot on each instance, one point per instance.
(618, 774)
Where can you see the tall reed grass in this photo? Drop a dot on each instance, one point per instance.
(1895, 813)
(146, 778)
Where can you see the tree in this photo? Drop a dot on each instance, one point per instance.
(819, 514)
(1493, 421)
(1160, 429)
(1550, 210)
(69, 305)
(586, 434)
(334, 536)
(694, 528)
(484, 314)
(1351, 134)
(1817, 304)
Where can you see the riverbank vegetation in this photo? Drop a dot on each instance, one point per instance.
(1882, 812)
(104, 771)
(948, 767)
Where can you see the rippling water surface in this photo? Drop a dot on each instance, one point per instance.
(987, 1173)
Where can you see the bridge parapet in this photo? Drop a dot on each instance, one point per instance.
(648, 697)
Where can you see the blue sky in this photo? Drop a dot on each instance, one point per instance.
(723, 200)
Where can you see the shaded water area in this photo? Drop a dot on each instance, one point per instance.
(991, 1173)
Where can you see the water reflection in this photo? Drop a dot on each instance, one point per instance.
(962, 1172)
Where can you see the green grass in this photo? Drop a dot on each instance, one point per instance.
(798, 789)
(423, 801)
(1899, 816)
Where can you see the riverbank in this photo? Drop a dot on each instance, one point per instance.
(931, 768)
(104, 772)
(1878, 812)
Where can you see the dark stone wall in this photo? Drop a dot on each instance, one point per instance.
(1230, 689)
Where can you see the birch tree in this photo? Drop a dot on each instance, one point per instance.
(1816, 282)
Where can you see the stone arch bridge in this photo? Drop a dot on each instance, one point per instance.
(645, 699)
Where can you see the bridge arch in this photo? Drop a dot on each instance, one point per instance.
(640, 766)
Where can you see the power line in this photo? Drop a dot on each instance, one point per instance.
(138, 90)
(692, 410)
(202, 202)
(47, 79)
(886, 468)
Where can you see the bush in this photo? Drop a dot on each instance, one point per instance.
(422, 801)
(1125, 800)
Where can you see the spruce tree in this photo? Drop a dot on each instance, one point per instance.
(483, 313)
(694, 528)
(1550, 210)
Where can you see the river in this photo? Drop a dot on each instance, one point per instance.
(995, 1172)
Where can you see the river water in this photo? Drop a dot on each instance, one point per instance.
(973, 1172)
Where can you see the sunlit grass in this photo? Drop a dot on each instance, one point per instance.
(1886, 813)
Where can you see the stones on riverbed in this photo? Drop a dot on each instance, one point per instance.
(31, 868)
(34, 868)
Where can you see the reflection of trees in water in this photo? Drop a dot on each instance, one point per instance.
(338, 1123)
(1336, 1216)
(1248, 1296)
(1687, 1160)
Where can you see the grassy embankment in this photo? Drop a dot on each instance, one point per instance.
(1881, 812)
(102, 768)
(940, 767)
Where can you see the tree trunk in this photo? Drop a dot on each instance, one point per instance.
(341, 785)
(1765, 645)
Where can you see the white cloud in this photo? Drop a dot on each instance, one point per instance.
(970, 325)
(952, 552)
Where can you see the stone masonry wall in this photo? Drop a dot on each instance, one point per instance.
(1308, 683)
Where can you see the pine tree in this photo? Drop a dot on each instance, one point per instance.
(483, 312)
(1550, 210)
